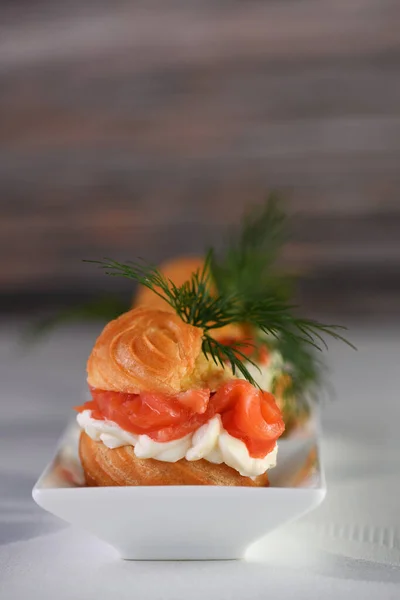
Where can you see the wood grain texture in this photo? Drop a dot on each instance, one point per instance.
(145, 128)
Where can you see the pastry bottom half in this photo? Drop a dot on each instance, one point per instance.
(120, 467)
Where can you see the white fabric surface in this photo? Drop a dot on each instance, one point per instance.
(350, 545)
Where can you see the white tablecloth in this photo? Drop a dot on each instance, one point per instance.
(350, 545)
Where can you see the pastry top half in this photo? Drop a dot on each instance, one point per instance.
(151, 350)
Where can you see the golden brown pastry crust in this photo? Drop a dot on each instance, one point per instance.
(144, 350)
(120, 467)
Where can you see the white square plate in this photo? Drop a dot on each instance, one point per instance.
(185, 522)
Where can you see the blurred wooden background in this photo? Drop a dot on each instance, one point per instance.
(144, 128)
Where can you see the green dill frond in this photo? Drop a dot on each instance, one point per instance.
(247, 266)
(247, 269)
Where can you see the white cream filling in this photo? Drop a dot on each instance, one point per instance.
(210, 442)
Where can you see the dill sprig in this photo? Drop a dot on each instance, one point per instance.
(197, 304)
(193, 301)
(247, 265)
(247, 268)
